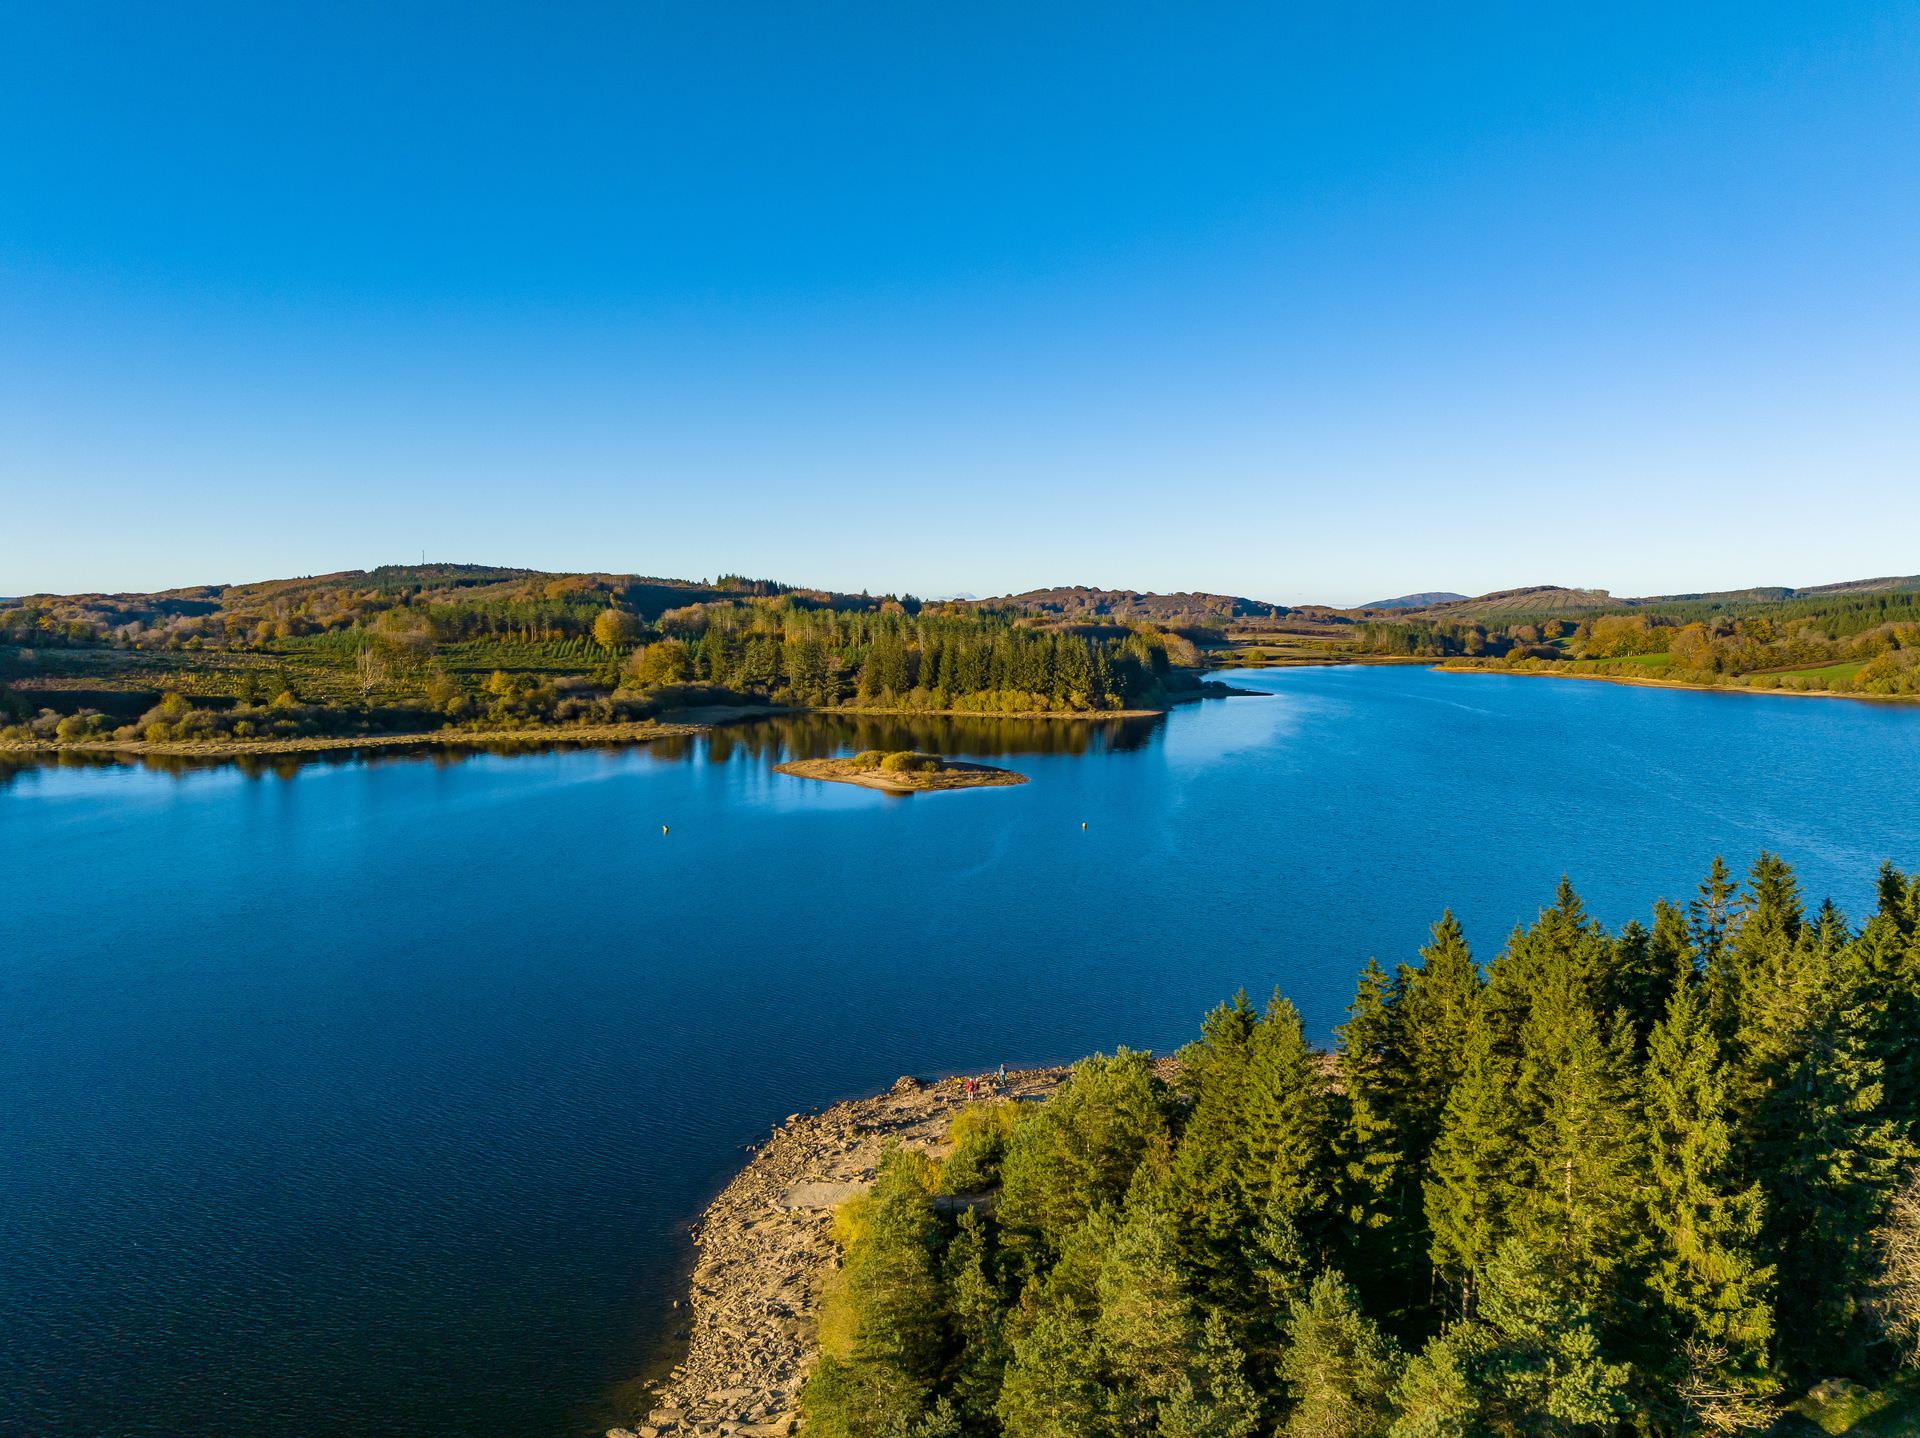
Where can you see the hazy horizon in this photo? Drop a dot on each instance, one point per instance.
(1310, 308)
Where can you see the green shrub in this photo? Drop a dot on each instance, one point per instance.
(880, 1313)
(870, 758)
(910, 761)
(978, 1138)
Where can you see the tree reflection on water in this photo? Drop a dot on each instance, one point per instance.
(799, 735)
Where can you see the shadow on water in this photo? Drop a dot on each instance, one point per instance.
(778, 737)
(260, 766)
(819, 736)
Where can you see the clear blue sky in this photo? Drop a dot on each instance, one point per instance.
(1302, 302)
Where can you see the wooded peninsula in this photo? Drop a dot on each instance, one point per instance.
(1661, 1181)
(455, 648)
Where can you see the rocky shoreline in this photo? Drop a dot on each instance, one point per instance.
(764, 1250)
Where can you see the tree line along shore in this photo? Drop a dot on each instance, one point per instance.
(411, 650)
(1864, 645)
(1660, 1180)
(452, 650)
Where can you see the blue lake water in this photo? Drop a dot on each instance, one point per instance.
(376, 1096)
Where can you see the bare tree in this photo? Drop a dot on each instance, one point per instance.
(369, 669)
(1725, 1401)
(1899, 1287)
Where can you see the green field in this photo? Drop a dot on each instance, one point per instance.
(1826, 674)
(1634, 661)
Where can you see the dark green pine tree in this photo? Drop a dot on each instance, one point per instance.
(1563, 946)
(1079, 1154)
(1578, 1127)
(1474, 1178)
(1710, 915)
(1203, 1195)
(1672, 945)
(1899, 898)
(1100, 693)
(976, 1311)
(1339, 1368)
(1254, 1158)
(1213, 1398)
(1507, 994)
(890, 1288)
(1529, 1363)
(1767, 979)
(1435, 1003)
(1147, 1324)
(1370, 1186)
(1642, 973)
(890, 1275)
(1432, 1006)
(1283, 1124)
(1054, 1384)
(1888, 956)
(1713, 1291)
(1256, 1135)
(1828, 1156)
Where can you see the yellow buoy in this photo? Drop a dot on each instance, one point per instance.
(663, 828)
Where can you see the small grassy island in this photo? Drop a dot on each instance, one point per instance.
(907, 771)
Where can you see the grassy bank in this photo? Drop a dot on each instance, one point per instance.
(634, 733)
(1649, 681)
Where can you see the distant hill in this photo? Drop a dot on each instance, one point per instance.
(1533, 599)
(1553, 599)
(319, 600)
(1773, 595)
(1424, 600)
(1082, 602)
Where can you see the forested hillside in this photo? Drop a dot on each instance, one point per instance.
(1082, 602)
(1849, 639)
(421, 648)
(1651, 1181)
(417, 648)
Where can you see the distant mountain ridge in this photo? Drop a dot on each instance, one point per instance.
(1078, 601)
(1557, 599)
(1424, 600)
(649, 595)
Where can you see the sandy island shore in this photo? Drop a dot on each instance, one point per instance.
(764, 1252)
(951, 775)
